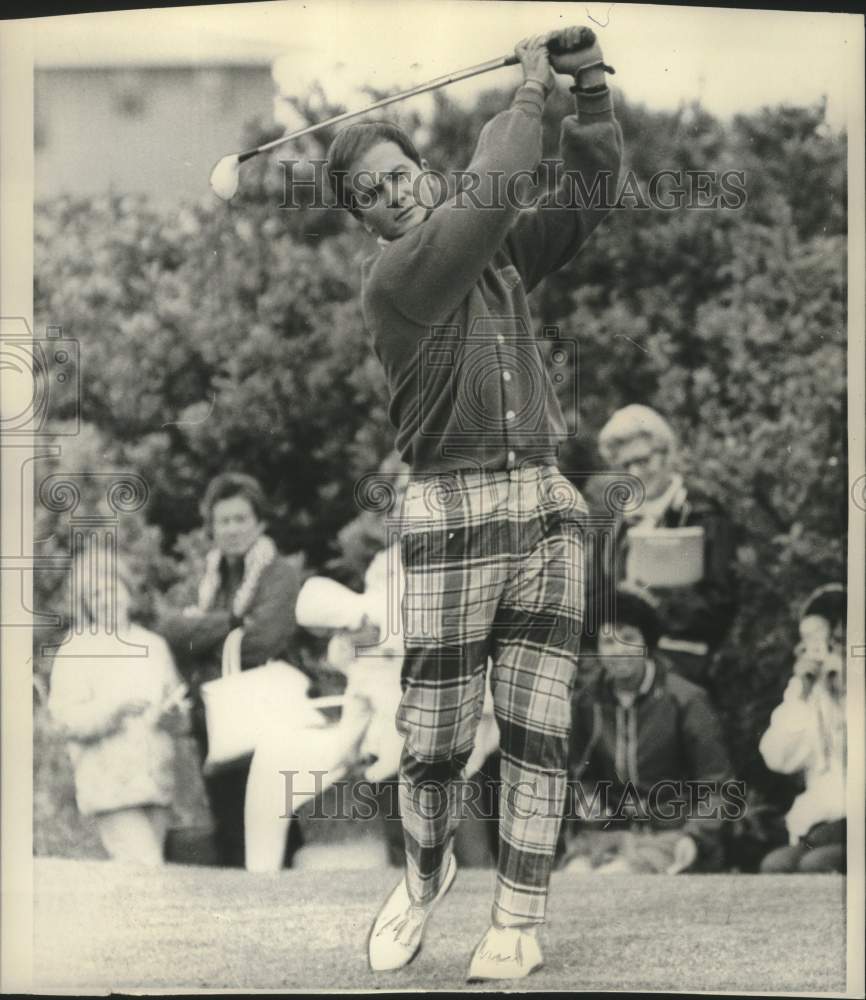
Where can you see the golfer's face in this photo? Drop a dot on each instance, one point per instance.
(388, 186)
(235, 526)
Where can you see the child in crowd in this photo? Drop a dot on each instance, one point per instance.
(118, 699)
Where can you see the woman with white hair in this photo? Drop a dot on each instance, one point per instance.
(638, 441)
(117, 698)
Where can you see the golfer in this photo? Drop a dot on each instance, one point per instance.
(491, 532)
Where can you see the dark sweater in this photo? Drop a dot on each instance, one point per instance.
(446, 305)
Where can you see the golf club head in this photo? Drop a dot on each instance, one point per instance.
(225, 177)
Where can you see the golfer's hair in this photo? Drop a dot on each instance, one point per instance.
(633, 422)
(234, 484)
(351, 143)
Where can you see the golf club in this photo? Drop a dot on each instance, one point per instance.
(225, 175)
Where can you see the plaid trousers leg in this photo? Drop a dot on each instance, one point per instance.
(536, 641)
(453, 579)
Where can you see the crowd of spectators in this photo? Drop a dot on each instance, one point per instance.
(651, 784)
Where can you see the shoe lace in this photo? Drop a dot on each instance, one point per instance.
(510, 948)
(405, 926)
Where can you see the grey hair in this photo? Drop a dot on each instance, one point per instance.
(631, 422)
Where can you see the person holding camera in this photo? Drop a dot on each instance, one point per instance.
(807, 734)
(492, 532)
(696, 616)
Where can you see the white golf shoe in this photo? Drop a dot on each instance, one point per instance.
(395, 937)
(505, 953)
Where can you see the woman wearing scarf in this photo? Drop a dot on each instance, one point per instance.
(246, 584)
(696, 617)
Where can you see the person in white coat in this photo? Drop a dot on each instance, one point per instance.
(807, 734)
(117, 698)
(368, 648)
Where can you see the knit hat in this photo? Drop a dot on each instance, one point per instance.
(636, 606)
(829, 601)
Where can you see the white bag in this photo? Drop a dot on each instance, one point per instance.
(241, 705)
(665, 557)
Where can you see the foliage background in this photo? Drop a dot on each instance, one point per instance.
(230, 337)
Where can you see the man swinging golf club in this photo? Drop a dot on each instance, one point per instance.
(491, 532)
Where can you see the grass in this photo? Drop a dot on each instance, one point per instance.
(107, 926)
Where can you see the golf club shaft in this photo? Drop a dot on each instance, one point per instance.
(422, 88)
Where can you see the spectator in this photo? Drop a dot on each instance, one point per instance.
(370, 651)
(640, 735)
(318, 757)
(117, 697)
(246, 584)
(640, 442)
(807, 734)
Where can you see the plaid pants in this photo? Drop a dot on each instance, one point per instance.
(493, 565)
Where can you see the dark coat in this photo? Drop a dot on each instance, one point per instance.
(701, 613)
(270, 628)
(678, 739)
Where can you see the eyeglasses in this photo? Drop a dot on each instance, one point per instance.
(641, 461)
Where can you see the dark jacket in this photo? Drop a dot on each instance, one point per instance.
(700, 614)
(670, 734)
(447, 301)
(269, 627)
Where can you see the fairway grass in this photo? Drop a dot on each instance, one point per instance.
(108, 926)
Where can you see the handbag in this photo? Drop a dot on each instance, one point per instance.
(240, 705)
(665, 557)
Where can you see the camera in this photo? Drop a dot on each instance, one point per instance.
(42, 383)
(816, 658)
(497, 367)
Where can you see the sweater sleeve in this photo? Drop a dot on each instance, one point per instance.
(787, 745)
(550, 233)
(195, 635)
(427, 273)
(269, 624)
(704, 742)
(707, 761)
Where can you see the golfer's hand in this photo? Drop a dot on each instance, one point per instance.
(534, 58)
